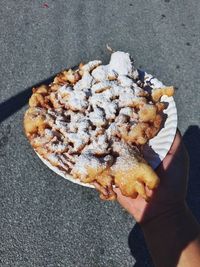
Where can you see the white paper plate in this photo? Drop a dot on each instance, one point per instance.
(64, 175)
(158, 147)
(154, 152)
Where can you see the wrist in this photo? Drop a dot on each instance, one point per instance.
(176, 219)
(158, 216)
(169, 233)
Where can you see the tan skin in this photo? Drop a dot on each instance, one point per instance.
(171, 232)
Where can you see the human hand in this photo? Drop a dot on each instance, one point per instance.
(171, 192)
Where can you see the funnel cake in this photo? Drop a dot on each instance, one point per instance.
(92, 122)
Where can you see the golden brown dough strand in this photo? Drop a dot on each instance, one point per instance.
(136, 134)
(147, 112)
(158, 92)
(67, 76)
(132, 180)
(34, 120)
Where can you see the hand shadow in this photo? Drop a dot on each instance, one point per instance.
(191, 140)
(138, 248)
(136, 241)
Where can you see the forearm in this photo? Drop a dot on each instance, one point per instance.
(173, 239)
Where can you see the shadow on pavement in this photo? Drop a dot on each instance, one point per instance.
(14, 103)
(138, 248)
(136, 240)
(191, 140)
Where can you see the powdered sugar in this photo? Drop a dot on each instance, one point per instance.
(126, 111)
(64, 91)
(90, 65)
(57, 147)
(101, 86)
(97, 117)
(120, 63)
(90, 114)
(126, 97)
(124, 80)
(85, 82)
(102, 101)
(76, 101)
(152, 81)
(99, 145)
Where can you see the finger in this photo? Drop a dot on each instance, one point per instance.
(135, 206)
(100, 188)
(149, 192)
(120, 194)
(126, 202)
(139, 187)
(117, 191)
(147, 175)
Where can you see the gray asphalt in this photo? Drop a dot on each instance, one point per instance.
(44, 219)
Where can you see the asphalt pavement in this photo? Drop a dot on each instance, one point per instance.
(46, 220)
